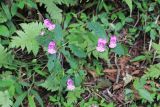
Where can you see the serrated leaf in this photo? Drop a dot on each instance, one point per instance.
(120, 49)
(97, 28)
(103, 55)
(51, 83)
(27, 37)
(145, 94)
(5, 100)
(152, 72)
(58, 32)
(77, 51)
(72, 62)
(53, 10)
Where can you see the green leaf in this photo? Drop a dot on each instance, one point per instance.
(145, 94)
(6, 10)
(104, 55)
(118, 26)
(152, 72)
(37, 97)
(156, 47)
(19, 99)
(5, 99)
(3, 17)
(70, 59)
(129, 3)
(51, 62)
(6, 83)
(53, 10)
(120, 49)
(5, 57)
(14, 8)
(52, 83)
(153, 34)
(27, 37)
(138, 58)
(97, 28)
(58, 32)
(31, 101)
(4, 31)
(77, 51)
(73, 96)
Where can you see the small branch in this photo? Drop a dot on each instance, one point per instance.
(118, 69)
(155, 52)
(137, 20)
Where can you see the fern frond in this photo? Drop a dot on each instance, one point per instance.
(51, 83)
(153, 72)
(5, 57)
(53, 10)
(27, 37)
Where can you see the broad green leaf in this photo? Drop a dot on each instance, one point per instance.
(145, 94)
(153, 34)
(3, 17)
(4, 31)
(70, 59)
(6, 10)
(97, 28)
(104, 55)
(58, 33)
(138, 58)
(19, 99)
(6, 83)
(120, 49)
(14, 9)
(77, 51)
(129, 3)
(31, 101)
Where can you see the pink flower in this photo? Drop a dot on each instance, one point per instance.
(48, 24)
(52, 47)
(70, 84)
(113, 42)
(101, 45)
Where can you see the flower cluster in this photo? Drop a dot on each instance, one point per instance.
(70, 84)
(113, 42)
(101, 45)
(52, 47)
(48, 24)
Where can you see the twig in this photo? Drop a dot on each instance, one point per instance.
(159, 41)
(137, 20)
(118, 69)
